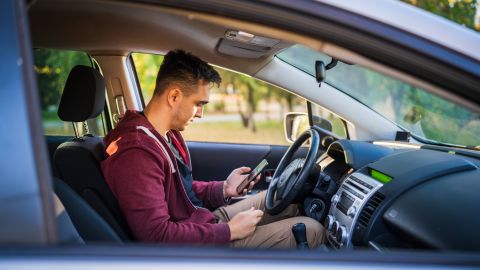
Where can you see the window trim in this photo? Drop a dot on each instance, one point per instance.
(132, 70)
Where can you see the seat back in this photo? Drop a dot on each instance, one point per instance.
(66, 231)
(86, 222)
(77, 161)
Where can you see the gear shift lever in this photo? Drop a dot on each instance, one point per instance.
(300, 233)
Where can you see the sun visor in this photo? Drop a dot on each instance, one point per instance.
(245, 45)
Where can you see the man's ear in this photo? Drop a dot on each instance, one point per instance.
(174, 96)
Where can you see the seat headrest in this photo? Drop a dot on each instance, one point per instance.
(83, 97)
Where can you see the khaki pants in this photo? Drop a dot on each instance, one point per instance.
(272, 231)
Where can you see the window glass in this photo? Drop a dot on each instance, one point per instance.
(427, 116)
(329, 121)
(147, 66)
(52, 68)
(241, 110)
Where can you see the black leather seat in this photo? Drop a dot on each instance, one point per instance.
(77, 221)
(77, 161)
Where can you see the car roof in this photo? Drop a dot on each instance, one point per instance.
(418, 22)
(119, 28)
(103, 27)
(113, 28)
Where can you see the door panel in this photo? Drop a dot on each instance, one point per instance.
(26, 210)
(215, 161)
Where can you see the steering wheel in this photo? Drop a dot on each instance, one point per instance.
(291, 175)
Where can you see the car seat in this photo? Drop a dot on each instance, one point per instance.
(77, 161)
(77, 222)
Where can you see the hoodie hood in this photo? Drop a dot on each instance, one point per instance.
(129, 123)
(135, 126)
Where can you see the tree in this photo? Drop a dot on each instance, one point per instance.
(247, 87)
(52, 68)
(252, 91)
(147, 66)
(463, 12)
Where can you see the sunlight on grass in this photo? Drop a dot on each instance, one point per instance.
(268, 132)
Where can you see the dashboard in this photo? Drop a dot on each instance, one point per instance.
(385, 197)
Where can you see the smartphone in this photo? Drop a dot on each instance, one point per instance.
(251, 176)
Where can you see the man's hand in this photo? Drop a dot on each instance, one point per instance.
(244, 223)
(234, 179)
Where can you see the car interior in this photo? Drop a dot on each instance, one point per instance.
(375, 187)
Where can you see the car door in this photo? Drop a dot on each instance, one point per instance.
(25, 193)
(215, 161)
(25, 176)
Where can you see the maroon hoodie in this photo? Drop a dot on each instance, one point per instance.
(143, 174)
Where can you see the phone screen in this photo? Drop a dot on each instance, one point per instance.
(252, 175)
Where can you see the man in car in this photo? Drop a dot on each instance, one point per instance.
(148, 169)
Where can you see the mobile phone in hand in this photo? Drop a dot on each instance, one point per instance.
(251, 176)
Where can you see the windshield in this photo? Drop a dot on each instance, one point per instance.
(416, 110)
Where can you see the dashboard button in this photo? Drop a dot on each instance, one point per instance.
(335, 227)
(341, 235)
(352, 211)
(329, 220)
(335, 199)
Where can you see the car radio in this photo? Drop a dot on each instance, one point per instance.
(345, 209)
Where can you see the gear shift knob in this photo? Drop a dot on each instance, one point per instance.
(300, 233)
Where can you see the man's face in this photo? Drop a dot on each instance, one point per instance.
(191, 107)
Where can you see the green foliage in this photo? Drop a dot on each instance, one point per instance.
(52, 68)
(415, 109)
(147, 66)
(439, 119)
(250, 89)
(459, 11)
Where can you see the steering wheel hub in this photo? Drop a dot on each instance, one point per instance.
(291, 175)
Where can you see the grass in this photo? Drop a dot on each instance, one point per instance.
(268, 132)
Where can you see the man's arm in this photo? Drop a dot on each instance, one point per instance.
(138, 181)
(211, 193)
(216, 193)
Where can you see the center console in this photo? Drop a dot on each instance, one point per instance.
(350, 198)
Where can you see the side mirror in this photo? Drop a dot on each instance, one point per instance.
(296, 123)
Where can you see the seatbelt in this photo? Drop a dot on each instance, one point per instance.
(181, 150)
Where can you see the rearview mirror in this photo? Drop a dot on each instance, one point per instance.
(296, 123)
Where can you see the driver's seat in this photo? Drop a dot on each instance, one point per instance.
(77, 161)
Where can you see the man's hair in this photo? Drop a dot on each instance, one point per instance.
(185, 71)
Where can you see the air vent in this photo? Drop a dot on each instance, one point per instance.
(370, 208)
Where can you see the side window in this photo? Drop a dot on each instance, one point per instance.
(241, 110)
(322, 118)
(329, 121)
(52, 68)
